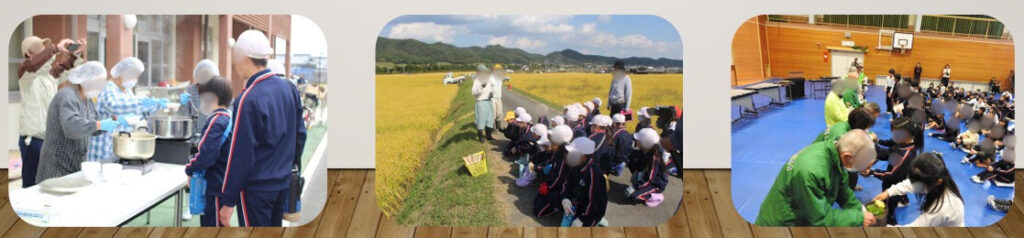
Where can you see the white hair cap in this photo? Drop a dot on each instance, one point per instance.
(539, 129)
(520, 110)
(558, 120)
(128, 68)
(575, 151)
(596, 101)
(205, 70)
(276, 67)
(253, 44)
(572, 113)
(618, 118)
(601, 120)
(646, 138)
(560, 134)
(525, 117)
(87, 72)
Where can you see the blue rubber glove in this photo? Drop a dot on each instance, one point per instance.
(154, 102)
(184, 98)
(122, 120)
(108, 125)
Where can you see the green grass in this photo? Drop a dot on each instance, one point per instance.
(444, 193)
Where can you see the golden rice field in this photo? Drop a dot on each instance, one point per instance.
(410, 109)
(567, 88)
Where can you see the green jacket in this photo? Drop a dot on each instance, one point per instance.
(832, 133)
(851, 99)
(807, 187)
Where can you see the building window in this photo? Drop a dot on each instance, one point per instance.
(96, 34)
(154, 45)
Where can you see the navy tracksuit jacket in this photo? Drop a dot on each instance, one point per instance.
(268, 135)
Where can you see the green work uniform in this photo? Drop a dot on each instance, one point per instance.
(832, 133)
(807, 187)
(850, 98)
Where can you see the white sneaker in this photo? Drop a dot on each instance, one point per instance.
(976, 179)
(603, 222)
(965, 160)
(186, 215)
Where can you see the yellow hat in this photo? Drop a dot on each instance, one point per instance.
(510, 115)
(498, 66)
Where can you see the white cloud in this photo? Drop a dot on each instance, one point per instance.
(524, 43)
(426, 31)
(542, 24)
(604, 18)
(588, 29)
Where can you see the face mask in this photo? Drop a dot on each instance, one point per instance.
(91, 93)
(129, 84)
(920, 188)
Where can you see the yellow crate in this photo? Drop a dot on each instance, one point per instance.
(476, 163)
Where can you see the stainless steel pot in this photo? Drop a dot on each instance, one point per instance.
(171, 126)
(134, 146)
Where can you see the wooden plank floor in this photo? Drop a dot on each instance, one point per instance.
(351, 211)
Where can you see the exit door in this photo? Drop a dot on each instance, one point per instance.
(842, 60)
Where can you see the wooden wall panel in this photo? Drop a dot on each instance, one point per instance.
(746, 54)
(800, 47)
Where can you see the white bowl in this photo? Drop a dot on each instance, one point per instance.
(91, 170)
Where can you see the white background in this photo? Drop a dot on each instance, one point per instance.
(351, 28)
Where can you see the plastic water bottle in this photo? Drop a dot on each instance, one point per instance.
(568, 218)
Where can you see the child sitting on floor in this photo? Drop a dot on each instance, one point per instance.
(967, 140)
(999, 172)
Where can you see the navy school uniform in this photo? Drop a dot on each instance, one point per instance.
(554, 182)
(650, 176)
(525, 145)
(579, 130)
(209, 155)
(600, 151)
(513, 131)
(1002, 172)
(588, 194)
(619, 150)
(899, 156)
(268, 136)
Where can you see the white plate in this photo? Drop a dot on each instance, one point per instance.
(64, 185)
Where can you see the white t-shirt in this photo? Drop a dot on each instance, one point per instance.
(950, 212)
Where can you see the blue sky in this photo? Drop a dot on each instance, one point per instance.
(609, 35)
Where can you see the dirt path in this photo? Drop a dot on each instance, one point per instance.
(518, 202)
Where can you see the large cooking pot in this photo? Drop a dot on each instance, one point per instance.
(134, 145)
(171, 126)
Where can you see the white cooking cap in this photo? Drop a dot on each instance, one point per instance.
(560, 134)
(129, 68)
(618, 118)
(646, 138)
(253, 44)
(601, 120)
(87, 72)
(558, 120)
(596, 101)
(525, 117)
(539, 129)
(205, 70)
(276, 67)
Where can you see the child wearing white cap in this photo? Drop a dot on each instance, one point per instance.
(553, 187)
(621, 145)
(588, 196)
(647, 164)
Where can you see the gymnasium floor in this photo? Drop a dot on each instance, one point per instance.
(761, 145)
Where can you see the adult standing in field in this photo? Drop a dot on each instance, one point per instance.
(267, 138)
(38, 79)
(483, 108)
(945, 76)
(620, 94)
(497, 77)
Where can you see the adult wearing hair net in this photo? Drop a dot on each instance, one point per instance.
(483, 108)
(38, 82)
(118, 99)
(204, 71)
(620, 93)
(814, 180)
(71, 119)
(266, 143)
(588, 195)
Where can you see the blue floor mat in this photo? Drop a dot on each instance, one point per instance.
(761, 145)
